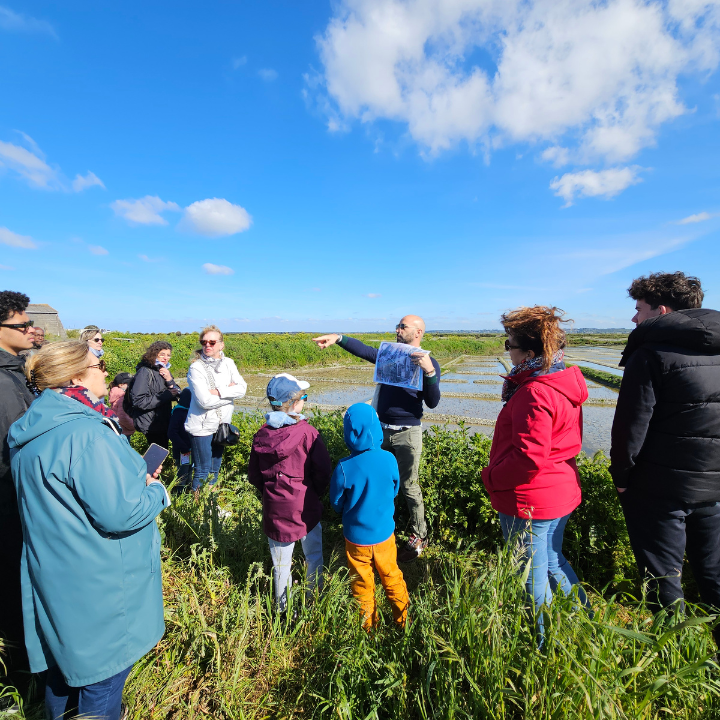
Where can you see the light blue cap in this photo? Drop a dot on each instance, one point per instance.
(282, 387)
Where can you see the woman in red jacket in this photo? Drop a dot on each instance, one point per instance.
(532, 476)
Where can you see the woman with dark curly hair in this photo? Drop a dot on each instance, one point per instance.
(532, 477)
(152, 393)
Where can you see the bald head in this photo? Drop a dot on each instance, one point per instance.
(410, 330)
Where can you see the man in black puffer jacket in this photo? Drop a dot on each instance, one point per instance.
(665, 457)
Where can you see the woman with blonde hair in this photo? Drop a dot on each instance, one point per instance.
(92, 594)
(92, 335)
(532, 477)
(214, 382)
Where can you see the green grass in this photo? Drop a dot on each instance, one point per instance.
(469, 650)
(600, 376)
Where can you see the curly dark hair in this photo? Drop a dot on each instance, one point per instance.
(12, 303)
(677, 290)
(538, 329)
(153, 351)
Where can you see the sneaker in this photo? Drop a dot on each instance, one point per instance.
(412, 548)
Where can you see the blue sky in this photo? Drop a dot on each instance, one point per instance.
(334, 166)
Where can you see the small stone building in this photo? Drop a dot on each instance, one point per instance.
(47, 318)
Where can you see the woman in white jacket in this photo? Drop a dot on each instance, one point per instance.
(215, 382)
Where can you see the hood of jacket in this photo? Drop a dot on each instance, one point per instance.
(8, 361)
(362, 429)
(48, 412)
(697, 329)
(277, 444)
(569, 382)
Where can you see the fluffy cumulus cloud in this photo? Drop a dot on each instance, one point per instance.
(593, 80)
(144, 211)
(28, 161)
(215, 217)
(8, 237)
(212, 269)
(591, 183)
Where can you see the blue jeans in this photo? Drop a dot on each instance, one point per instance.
(207, 459)
(541, 541)
(100, 701)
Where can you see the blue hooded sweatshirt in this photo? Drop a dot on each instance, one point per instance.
(364, 486)
(91, 576)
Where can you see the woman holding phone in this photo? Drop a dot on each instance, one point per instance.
(214, 382)
(92, 594)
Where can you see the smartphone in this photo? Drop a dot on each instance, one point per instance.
(154, 457)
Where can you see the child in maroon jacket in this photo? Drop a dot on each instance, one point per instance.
(290, 464)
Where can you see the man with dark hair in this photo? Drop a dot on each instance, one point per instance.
(16, 335)
(665, 456)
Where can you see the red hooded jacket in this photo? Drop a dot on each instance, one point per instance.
(292, 467)
(532, 470)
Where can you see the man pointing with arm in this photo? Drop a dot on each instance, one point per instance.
(400, 411)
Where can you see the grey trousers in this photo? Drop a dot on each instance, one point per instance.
(406, 446)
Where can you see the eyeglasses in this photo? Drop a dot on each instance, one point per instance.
(100, 365)
(211, 343)
(508, 346)
(98, 340)
(402, 326)
(22, 327)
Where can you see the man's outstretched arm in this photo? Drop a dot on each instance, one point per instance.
(353, 346)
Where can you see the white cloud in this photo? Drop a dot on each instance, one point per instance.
(212, 269)
(97, 250)
(15, 22)
(600, 77)
(699, 217)
(239, 62)
(8, 237)
(591, 183)
(268, 74)
(29, 165)
(80, 182)
(144, 211)
(373, 295)
(214, 217)
(558, 156)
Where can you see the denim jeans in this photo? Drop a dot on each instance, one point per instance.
(207, 459)
(100, 701)
(282, 553)
(541, 542)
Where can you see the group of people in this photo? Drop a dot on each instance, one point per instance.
(73, 492)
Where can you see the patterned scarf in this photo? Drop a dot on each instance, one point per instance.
(84, 396)
(526, 368)
(215, 363)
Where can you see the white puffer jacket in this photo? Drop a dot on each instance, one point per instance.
(208, 411)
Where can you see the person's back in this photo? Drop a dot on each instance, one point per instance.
(363, 489)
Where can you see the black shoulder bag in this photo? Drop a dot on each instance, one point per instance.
(226, 434)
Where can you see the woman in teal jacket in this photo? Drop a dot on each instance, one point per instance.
(92, 593)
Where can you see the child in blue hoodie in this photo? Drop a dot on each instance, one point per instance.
(363, 489)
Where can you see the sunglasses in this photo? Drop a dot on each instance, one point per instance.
(402, 326)
(211, 343)
(22, 327)
(508, 346)
(100, 365)
(97, 340)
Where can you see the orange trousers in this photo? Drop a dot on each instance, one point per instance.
(362, 561)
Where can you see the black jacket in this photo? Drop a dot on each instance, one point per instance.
(666, 431)
(15, 399)
(152, 400)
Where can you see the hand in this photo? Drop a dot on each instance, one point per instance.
(325, 341)
(215, 392)
(150, 478)
(232, 384)
(166, 374)
(423, 361)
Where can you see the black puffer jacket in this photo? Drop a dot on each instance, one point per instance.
(15, 399)
(666, 432)
(152, 399)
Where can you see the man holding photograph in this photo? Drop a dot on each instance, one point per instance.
(400, 411)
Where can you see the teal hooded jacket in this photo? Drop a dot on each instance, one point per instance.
(364, 485)
(91, 581)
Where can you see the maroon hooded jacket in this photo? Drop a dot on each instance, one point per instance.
(532, 470)
(292, 467)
